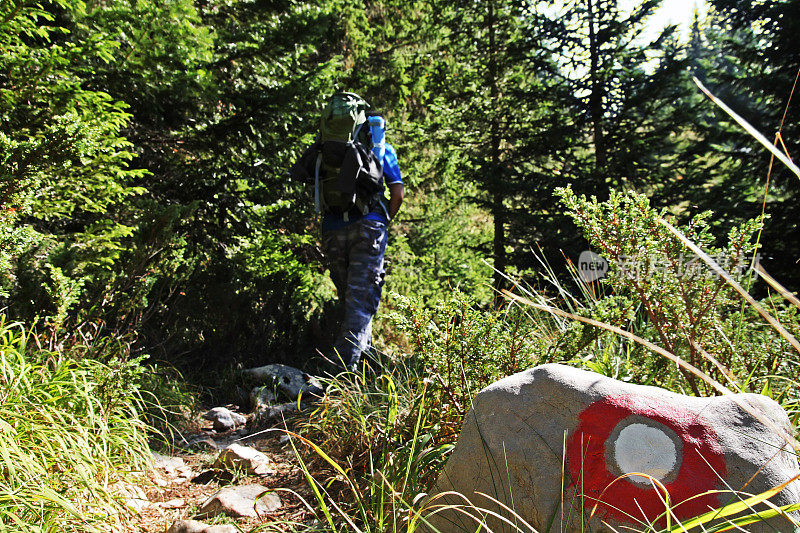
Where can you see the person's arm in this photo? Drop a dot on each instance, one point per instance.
(396, 194)
(391, 173)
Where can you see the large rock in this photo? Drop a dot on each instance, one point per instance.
(246, 501)
(526, 429)
(291, 381)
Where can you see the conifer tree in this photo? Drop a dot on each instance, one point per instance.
(628, 95)
(753, 66)
(65, 181)
(496, 89)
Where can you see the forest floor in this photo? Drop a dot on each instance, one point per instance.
(177, 493)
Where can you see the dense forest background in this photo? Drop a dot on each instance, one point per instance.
(145, 145)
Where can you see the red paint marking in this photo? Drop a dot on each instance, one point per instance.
(702, 462)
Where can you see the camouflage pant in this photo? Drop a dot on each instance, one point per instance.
(354, 255)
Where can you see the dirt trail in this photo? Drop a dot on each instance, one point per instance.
(176, 492)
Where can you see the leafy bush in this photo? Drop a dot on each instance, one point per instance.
(462, 349)
(661, 289)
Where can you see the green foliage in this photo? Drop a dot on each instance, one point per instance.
(70, 434)
(435, 246)
(464, 349)
(658, 287)
(495, 120)
(380, 430)
(64, 174)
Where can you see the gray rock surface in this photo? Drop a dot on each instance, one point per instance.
(291, 381)
(261, 398)
(198, 441)
(525, 430)
(224, 419)
(240, 502)
(167, 463)
(173, 467)
(276, 411)
(193, 526)
(246, 459)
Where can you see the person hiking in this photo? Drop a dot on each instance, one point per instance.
(351, 165)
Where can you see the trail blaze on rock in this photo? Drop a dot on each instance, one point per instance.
(625, 434)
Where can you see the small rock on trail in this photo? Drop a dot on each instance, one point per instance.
(224, 419)
(246, 501)
(245, 458)
(193, 526)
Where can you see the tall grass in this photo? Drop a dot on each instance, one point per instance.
(70, 432)
(382, 430)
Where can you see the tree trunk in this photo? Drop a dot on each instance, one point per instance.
(498, 211)
(596, 105)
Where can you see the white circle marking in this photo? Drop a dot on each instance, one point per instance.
(645, 449)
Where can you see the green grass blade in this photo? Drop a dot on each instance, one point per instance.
(750, 129)
(735, 508)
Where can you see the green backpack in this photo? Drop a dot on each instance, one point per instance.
(347, 174)
(343, 118)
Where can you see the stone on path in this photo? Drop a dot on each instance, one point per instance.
(133, 496)
(264, 410)
(276, 411)
(525, 430)
(193, 526)
(167, 463)
(200, 441)
(224, 419)
(291, 381)
(175, 503)
(245, 458)
(240, 502)
(261, 398)
(174, 467)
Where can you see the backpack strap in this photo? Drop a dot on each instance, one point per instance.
(357, 131)
(317, 195)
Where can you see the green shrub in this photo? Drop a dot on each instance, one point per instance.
(658, 288)
(462, 349)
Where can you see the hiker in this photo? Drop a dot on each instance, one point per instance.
(349, 164)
